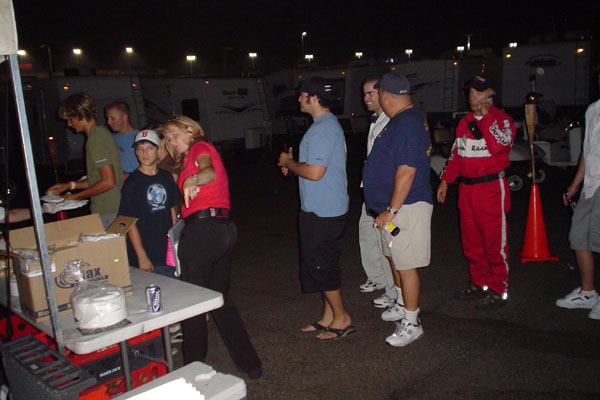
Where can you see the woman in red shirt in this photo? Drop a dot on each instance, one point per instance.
(206, 242)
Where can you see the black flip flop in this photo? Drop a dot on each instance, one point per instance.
(339, 333)
(318, 328)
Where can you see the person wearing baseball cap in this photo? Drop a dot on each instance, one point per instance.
(398, 194)
(484, 138)
(150, 195)
(323, 184)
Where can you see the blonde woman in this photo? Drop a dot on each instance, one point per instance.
(206, 242)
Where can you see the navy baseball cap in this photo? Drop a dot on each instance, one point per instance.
(317, 85)
(481, 83)
(394, 82)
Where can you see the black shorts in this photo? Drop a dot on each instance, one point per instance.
(321, 245)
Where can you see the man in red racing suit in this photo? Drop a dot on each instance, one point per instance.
(479, 156)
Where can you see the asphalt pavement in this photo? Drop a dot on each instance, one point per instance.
(529, 349)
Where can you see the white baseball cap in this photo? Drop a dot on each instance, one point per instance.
(147, 135)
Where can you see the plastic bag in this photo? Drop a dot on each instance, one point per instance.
(96, 306)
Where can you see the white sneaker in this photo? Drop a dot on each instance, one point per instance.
(394, 313)
(384, 301)
(370, 286)
(576, 299)
(174, 328)
(177, 338)
(405, 334)
(595, 313)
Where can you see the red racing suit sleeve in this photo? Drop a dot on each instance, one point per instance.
(471, 157)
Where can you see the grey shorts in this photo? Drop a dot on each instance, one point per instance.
(585, 224)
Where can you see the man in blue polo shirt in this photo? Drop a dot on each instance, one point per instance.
(397, 191)
(324, 203)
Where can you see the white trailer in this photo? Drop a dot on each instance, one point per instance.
(561, 71)
(43, 96)
(434, 84)
(349, 107)
(228, 109)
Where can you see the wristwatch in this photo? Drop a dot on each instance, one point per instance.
(391, 210)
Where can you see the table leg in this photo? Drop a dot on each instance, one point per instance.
(167, 342)
(125, 365)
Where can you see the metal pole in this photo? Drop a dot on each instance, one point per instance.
(38, 221)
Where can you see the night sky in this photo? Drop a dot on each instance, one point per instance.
(221, 33)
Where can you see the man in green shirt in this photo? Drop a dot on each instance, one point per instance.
(103, 160)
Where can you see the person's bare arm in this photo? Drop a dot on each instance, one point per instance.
(311, 172)
(403, 180)
(107, 182)
(136, 241)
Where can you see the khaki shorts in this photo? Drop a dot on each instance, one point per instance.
(411, 247)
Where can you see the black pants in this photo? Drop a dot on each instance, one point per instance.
(205, 253)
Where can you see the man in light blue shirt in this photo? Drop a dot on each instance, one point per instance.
(324, 204)
(117, 117)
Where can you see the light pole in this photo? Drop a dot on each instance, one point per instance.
(408, 52)
(191, 60)
(252, 57)
(77, 53)
(129, 51)
(309, 57)
(358, 54)
(302, 40)
(21, 52)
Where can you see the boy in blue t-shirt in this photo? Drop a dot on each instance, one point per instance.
(151, 195)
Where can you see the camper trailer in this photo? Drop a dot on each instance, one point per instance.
(230, 110)
(349, 107)
(559, 71)
(47, 130)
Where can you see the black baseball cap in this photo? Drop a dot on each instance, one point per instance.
(317, 85)
(481, 83)
(394, 82)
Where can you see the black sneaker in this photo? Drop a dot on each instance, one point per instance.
(472, 291)
(492, 301)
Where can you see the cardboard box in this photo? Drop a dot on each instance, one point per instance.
(107, 259)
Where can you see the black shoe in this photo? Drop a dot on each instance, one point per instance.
(472, 291)
(492, 301)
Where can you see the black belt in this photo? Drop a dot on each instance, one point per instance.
(211, 212)
(481, 179)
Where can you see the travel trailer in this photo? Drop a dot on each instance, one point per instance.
(48, 131)
(230, 110)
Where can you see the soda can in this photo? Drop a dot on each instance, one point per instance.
(153, 298)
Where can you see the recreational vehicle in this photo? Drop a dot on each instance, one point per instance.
(50, 134)
(230, 110)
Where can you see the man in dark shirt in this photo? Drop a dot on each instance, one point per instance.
(397, 191)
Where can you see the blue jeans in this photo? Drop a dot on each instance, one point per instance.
(165, 270)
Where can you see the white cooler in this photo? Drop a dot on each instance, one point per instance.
(211, 384)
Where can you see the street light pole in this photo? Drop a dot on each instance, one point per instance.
(77, 53)
(252, 57)
(129, 51)
(191, 60)
(302, 39)
(408, 53)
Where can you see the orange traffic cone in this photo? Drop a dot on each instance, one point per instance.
(535, 244)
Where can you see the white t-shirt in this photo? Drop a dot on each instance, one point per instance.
(591, 150)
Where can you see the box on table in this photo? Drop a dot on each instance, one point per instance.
(107, 259)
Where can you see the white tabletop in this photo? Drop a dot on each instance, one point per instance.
(181, 300)
(211, 384)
